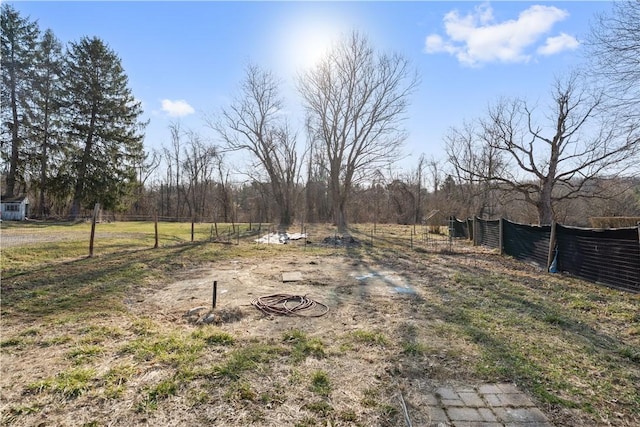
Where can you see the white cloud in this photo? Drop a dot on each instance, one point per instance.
(558, 44)
(475, 38)
(434, 43)
(177, 108)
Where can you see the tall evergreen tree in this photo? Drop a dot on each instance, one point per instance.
(19, 38)
(45, 115)
(103, 122)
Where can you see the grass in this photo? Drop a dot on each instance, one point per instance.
(320, 383)
(154, 394)
(85, 353)
(476, 318)
(519, 336)
(320, 407)
(172, 348)
(70, 384)
(116, 378)
(303, 346)
(252, 357)
(366, 337)
(213, 337)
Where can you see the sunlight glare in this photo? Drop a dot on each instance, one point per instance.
(305, 39)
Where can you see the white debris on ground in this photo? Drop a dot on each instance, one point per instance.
(280, 238)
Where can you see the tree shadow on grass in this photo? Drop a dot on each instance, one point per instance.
(507, 313)
(89, 284)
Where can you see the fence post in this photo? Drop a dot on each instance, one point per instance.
(155, 227)
(475, 231)
(192, 226)
(501, 235)
(215, 294)
(552, 245)
(96, 209)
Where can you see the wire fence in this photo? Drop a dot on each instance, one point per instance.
(606, 256)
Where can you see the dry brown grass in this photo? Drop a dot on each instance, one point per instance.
(104, 341)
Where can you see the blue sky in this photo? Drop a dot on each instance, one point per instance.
(186, 59)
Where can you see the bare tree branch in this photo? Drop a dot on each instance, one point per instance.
(545, 164)
(254, 122)
(355, 101)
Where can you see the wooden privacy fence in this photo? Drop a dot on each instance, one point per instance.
(607, 256)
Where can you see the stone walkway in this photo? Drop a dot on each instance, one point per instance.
(491, 405)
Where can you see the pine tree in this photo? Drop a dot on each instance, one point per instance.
(103, 122)
(19, 39)
(45, 136)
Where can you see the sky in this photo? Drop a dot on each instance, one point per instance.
(185, 60)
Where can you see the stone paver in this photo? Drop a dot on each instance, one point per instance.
(489, 405)
(464, 414)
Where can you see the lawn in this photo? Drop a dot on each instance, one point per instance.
(105, 340)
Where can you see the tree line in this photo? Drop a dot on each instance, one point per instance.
(535, 164)
(71, 129)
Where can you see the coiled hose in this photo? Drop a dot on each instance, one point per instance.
(290, 305)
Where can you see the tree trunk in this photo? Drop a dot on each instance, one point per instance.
(82, 169)
(545, 210)
(15, 140)
(338, 198)
(43, 162)
(43, 176)
(341, 215)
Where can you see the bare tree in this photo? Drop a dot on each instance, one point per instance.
(355, 100)
(548, 164)
(435, 174)
(174, 163)
(146, 164)
(255, 122)
(224, 190)
(200, 160)
(614, 50)
(474, 158)
(317, 203)
(402, 201)
(419, 176)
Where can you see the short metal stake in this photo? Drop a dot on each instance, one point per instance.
(215, 292)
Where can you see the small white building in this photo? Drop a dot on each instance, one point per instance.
(14, 208)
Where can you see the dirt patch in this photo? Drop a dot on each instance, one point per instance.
(347, 286)
(345, 241)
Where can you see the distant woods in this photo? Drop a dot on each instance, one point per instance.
(72, 136)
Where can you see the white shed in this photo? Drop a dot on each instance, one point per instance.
(14, 208)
